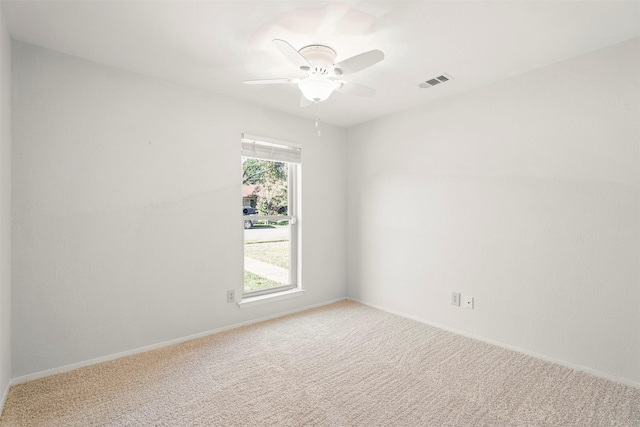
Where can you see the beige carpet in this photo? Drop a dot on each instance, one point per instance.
(344, 364)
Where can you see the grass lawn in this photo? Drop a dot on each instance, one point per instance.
(253, 282)
(271, 224)
(272, 252)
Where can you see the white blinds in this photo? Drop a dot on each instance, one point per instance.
(269, 149)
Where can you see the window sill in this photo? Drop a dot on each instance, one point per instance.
(276, 296)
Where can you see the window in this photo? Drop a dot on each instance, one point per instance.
(270, 205)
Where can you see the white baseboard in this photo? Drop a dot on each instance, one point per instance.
(505, 345)
(66, 368)
(71, 367)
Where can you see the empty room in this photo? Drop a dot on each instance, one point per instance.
(440, 213)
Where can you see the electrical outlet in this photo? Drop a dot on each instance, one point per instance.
(468, 302)
(231, 296)
(455, 298)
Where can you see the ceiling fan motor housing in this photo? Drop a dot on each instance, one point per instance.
(320, 57)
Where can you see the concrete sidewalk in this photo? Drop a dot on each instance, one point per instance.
(268, 271)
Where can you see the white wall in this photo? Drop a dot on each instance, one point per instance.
(126, 211)
(523, 194)
(5, 210)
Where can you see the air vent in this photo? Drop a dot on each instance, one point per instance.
(435, 81)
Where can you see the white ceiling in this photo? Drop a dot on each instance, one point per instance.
(215, 45)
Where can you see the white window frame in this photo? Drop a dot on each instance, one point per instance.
(280, 151)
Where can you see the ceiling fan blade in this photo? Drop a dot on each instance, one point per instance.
(356, 89)
(292, 54)
(359, 62)
(304, 102)
(270, 81)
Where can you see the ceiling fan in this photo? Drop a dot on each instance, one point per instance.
(322, 72)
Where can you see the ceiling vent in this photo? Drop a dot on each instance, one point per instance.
(435, 81)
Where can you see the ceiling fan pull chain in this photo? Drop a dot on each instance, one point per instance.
(318, 127)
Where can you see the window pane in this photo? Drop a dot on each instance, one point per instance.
(267, 252)
(269, 203)
(265, 189)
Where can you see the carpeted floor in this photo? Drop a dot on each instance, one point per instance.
(344, 364)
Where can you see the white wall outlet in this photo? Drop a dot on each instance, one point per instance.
(468, 302)
(231, 296)
(455, 298)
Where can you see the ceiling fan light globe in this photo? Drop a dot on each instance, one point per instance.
(316, 89)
